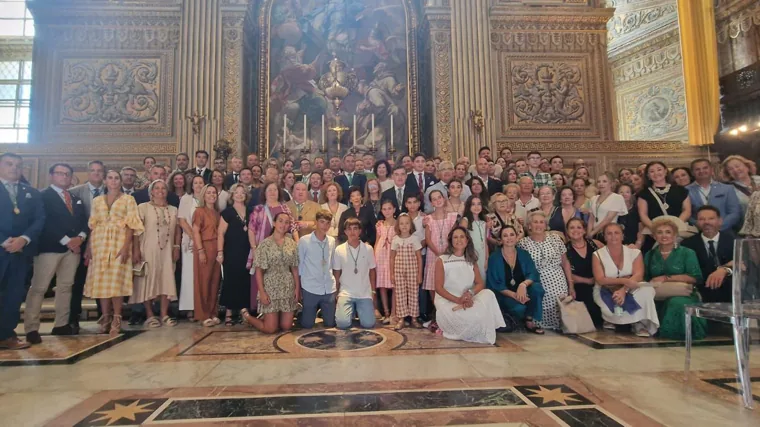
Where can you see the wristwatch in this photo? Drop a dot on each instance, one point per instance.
(729, 271)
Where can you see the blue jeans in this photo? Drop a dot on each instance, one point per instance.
(344, 312)
(312, 302)
(534, 307)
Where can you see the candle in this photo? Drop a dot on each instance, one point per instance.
(391, 144)
(373, 131)
(304, 131)
(284, 130)
(354, 131)
(323, 132)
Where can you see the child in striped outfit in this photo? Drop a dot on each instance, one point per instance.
(406, 271)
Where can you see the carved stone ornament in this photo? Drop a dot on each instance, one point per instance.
(656, 112)
(626, 23)
(547, 93)
(110, 91)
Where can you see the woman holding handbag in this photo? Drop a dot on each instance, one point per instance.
(674, 267)
(618, 271)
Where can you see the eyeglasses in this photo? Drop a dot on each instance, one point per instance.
(59, 173)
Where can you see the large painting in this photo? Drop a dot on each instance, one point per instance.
(368, 45)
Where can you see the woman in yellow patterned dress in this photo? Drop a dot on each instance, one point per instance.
(113, 222)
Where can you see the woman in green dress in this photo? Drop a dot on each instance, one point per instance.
(276, 262)
(669, 262)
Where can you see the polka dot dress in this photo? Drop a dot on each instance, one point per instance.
(548, 258)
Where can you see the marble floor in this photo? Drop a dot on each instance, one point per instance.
(189, 375)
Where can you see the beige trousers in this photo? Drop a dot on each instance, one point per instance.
(63, 267)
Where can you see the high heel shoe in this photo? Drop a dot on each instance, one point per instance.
(104, 324)
(115, 326)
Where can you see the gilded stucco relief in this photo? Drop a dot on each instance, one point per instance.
(547, 93)
(110, 91)
(656, 111)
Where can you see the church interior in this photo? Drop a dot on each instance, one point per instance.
(609, 85)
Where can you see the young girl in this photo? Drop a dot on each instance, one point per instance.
(477, 224)
(437, 228)
(406, 271)
(386, 230)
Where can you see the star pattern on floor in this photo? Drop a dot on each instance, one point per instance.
(120, 411)
(550, 395)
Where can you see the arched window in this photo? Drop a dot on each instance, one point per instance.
(16, 30)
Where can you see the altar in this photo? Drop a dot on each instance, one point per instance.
(118, 81)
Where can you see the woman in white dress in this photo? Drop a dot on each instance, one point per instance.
(187, 205)
(618, 270)
(329, 198)
(606, 207)
(465, 310)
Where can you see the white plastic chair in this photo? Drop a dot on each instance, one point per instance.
(745, 306)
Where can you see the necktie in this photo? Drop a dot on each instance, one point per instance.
(399, 197)
(12, 193)
(419, 182)
(350, 177)
(67, 199)
(200, 171)
(315, 194)
(95, 193)
(713, 254)
(235, 177)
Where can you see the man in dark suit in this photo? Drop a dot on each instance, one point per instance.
(86, 192)
(201, 165)
(418, 181)
(22, 218)
(60, 247)
(400, 190)
(350, 178)
(493, 185)
(715, 251)
(233, 177)
(157, 172)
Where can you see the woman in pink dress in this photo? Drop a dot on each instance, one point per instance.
(260, 226)
(386, 230)
(437, 227)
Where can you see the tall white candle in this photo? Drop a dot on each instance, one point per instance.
(354, 131)
(391, 142)
(284, 130)
(323, 132)
(373, 131)
(304, 129)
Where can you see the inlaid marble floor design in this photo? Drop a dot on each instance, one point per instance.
(189, 375)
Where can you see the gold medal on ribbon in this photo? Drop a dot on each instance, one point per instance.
(16, 211)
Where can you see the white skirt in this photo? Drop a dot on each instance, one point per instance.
(477, 324)
(647, 314)
(187, 289)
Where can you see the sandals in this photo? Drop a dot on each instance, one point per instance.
(152, 322)
(216, 320)
(533, 329)
(104, 324)
(209, 323)
(115, 326)
(399, 325)
(228, 321)
(416, 323)
(168, 321)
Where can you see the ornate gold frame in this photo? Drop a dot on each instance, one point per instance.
(413, 124)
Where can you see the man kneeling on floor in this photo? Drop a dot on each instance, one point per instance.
(354, 270)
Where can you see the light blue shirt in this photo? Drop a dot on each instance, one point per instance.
(315, 264)
(721, 196)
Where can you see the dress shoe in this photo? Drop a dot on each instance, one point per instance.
(75, 328)
(63, 330)
(34, 338)
(13, 343)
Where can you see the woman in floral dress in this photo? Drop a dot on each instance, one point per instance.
(276, 264)
(260, 227)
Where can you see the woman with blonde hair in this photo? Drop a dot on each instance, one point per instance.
(158, 246)
(670, 262)
(550, 257)
(605, 207)
(206, 269)
(742, 174)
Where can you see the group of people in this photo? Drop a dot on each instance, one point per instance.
(463, 249)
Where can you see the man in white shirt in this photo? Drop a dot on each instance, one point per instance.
(399, 192)
(315, 186)
(318, 286)
(201, 165)
(526, 202)
(233, 177)
(354, 270)
(183, 162)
